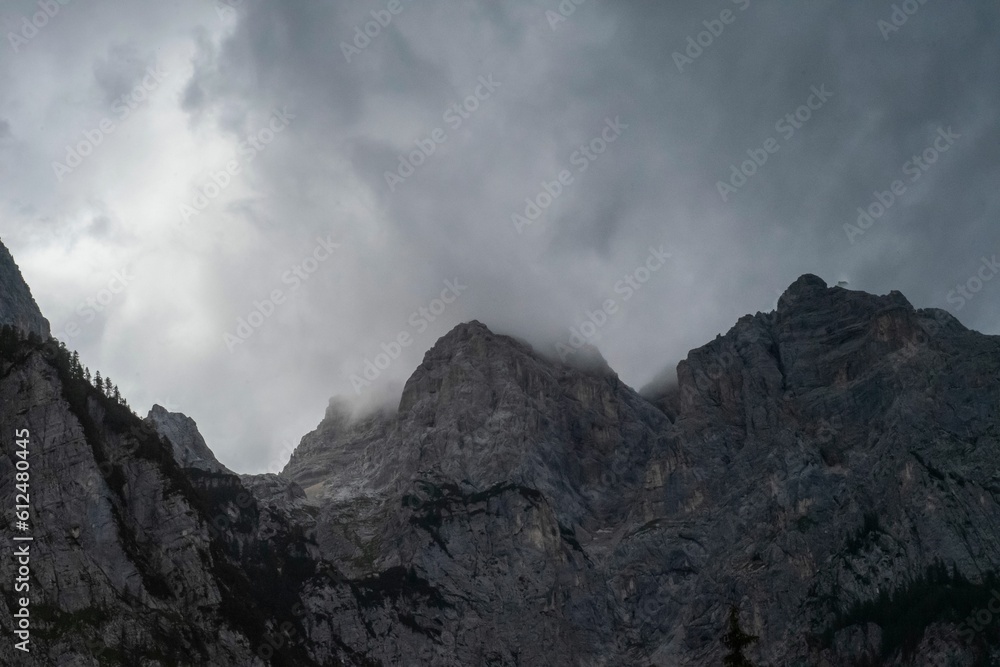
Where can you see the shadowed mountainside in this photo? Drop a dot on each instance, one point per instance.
(828, 468)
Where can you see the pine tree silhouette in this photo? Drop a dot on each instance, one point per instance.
(98, 381)
(736, 640)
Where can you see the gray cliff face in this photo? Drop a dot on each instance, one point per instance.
(126, 562)
(808, 461)
(190, 450)
(845, 446)
(17, 307)
(828, 468)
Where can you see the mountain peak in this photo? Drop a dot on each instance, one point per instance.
(845, 431)
(190, 449)
(465, 350)
(466, 331)
(17, 306)
(805, 286)
(811, 288)
(472, 338)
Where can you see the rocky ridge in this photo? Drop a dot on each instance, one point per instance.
(190, 450)
(17, 307)
(828, 468)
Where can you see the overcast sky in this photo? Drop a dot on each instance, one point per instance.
(178, 163)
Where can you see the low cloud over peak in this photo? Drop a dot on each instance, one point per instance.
(359, 175)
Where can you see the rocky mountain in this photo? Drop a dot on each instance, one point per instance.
(189, 448)
(17, 307)
(826, 470)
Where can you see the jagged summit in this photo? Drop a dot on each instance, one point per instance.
(818, 336)
(826, 467)
(806, 283)
(472, 339)
(338, 413)
(810, 292)
(190, 449)
(17, 306)
(470, 328)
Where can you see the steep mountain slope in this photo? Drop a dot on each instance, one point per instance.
(808, 462)
(135, 560)
(17, 307)
(493, 482)
(190, 449)
(828, 468)
(848, 444)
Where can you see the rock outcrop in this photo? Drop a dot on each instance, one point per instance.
(828, 469)
(134, 560)
(17, 307)
(190, 450)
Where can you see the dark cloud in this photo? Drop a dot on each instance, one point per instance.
(324, 176)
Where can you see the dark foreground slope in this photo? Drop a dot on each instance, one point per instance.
(829, 468)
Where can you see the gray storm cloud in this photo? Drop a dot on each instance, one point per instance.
(347, 166)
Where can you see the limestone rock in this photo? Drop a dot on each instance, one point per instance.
(190, 450)
(829, 468)
(17, 307)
